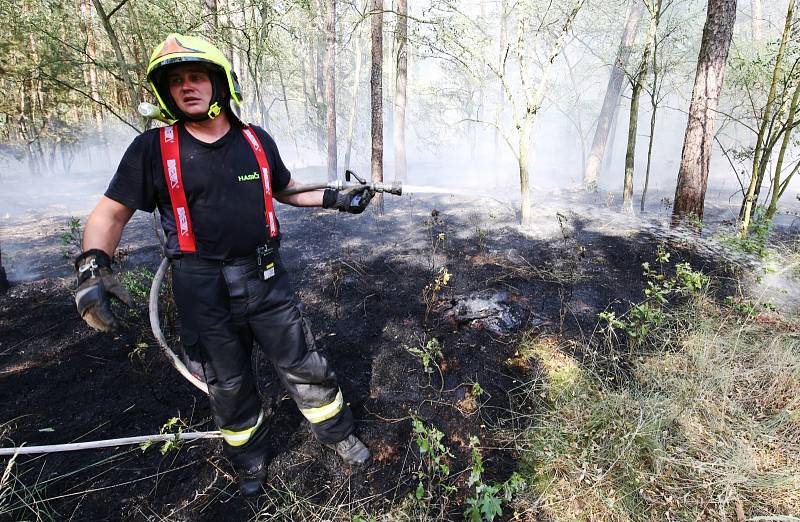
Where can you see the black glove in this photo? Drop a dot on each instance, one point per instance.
(96, 286)
(353, 200)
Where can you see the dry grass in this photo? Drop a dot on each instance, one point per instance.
(706, 428)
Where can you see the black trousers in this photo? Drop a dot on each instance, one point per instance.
(225, 306)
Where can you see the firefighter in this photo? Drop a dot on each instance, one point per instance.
(212, 178)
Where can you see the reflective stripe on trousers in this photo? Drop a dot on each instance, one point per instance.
(237, 438)
(323, 413)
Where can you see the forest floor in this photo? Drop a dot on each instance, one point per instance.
(369, 285)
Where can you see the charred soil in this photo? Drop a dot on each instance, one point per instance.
(375, 290)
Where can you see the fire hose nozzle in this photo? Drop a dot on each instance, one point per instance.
(152, 112)
(394, 187)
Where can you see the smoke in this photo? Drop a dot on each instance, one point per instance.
(36, 207)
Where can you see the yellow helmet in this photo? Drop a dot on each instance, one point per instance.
(177, 49)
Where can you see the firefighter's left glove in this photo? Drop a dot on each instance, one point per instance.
(353, 200)
(96, 286)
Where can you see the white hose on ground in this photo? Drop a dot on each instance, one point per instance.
(108, 443)
(155, 325)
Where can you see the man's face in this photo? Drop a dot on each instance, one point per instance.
(190, 87)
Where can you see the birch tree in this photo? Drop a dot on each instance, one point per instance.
(611, 98)
(401, 42)
(524, 82)
(764, 145)
(637, 84)
(330, 85)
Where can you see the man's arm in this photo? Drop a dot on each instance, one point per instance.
(353, 200)
(104, 227)
(302, 199)
(96, 283)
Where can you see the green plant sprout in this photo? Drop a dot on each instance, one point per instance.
(487, 502)
(431, 291)
(175, 426)
(72, 238)
(642, 317)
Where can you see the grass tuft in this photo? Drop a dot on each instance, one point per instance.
(707, 428)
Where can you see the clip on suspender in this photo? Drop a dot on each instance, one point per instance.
(171, 159)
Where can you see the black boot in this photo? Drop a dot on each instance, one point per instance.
(352, 451)
(251, 480)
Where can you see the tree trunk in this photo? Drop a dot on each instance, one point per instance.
(611, 99)
(780, 186)
(630, 151)
(760, 159)
(123, 66)
(3, 279)
(286, 108)
(356, 88)
(655, 15)
(503, 52)
(401, 39)
(756, 19)
(376, 97)
(524, 175)
(91, 54)
(690, 192)
(330, 85)
(633, 122)
(209, 23)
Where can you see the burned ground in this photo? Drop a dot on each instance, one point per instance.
(363, 282)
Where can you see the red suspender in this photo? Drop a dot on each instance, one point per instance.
(263, 166)
(171, 159)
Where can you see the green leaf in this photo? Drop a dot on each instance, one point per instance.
(490, 506)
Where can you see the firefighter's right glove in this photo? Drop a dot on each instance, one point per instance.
(96, 286)
(353, 200)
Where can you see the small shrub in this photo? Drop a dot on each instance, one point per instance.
(71, 238)
(431, 292)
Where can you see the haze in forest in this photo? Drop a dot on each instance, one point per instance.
(81, 143)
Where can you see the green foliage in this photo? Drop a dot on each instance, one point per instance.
(137, 283)
(434, 480)
(71, 238)
(748, 307)
(487, 501)
(434, 469)
(757, 240)
(642, 317)
(175, 426)
(428, 353)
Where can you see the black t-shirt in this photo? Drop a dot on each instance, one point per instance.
(222, 184)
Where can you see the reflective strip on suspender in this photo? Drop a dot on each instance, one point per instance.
(266, 181)
(171, 159)
(323, 413)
